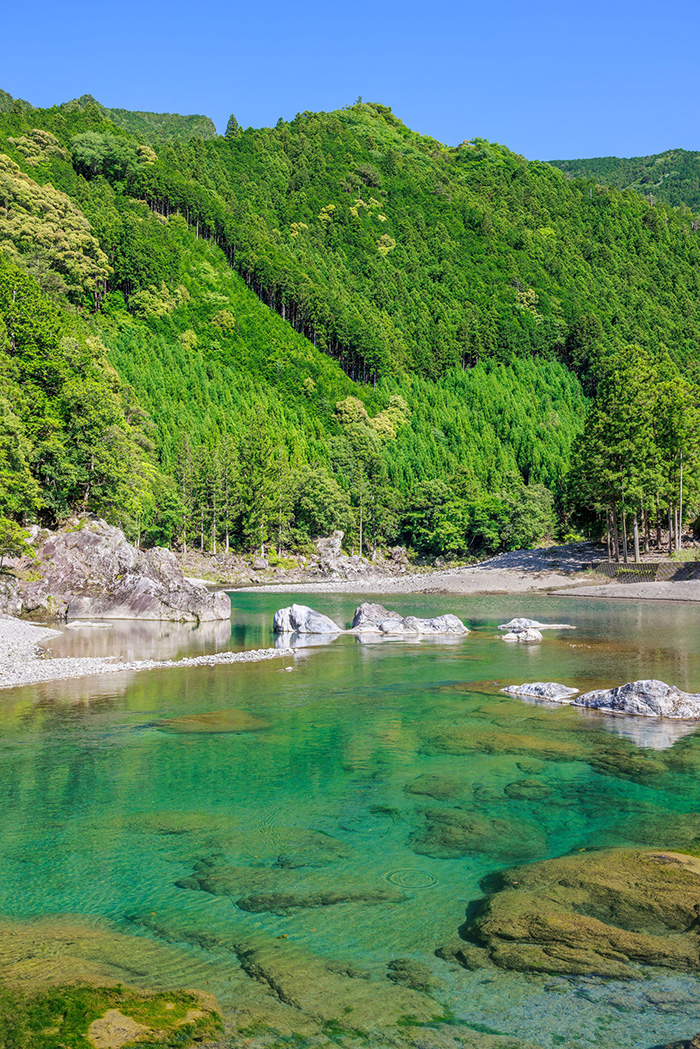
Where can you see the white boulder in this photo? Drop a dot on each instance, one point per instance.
(411, 625)
(648, 698)
(519, 624)
(543, 690)
(300, 619)
(369, 617)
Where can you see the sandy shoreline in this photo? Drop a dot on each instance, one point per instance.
(22, 662)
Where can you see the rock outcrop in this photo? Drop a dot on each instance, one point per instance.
(368, 618)
(647, 698)
(300, 619)
(543, 690)
(89, 570)
(599, 913)
(373, 618)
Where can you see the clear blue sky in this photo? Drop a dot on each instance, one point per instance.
(549, 79)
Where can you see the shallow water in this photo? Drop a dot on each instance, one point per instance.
(104, 810)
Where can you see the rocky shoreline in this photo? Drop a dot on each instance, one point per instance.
(22, 662)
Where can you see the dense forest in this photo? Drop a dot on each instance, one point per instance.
(673, 176)
(246, 341)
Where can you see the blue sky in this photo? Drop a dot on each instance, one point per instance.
(549, 80)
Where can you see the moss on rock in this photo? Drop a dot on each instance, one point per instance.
(600, 913)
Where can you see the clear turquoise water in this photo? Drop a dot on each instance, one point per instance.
(103, 811)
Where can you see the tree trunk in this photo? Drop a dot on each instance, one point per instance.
(616, 535)
(670, 530)
(658, 524)
(635, 528)
(624, 533)
(647, 533)
(607, 532)
(201, 529)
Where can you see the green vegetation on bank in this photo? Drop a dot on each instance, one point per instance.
(336, 323)
(61, 1016)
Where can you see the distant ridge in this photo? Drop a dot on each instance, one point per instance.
(152, 127)
(673, 176)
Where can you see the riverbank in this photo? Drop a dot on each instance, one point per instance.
(515, 572)
(24, 662)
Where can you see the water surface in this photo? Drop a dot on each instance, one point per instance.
(106, 808)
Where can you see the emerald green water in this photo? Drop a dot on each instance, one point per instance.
(104, 811)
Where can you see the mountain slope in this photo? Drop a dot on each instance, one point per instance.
(673, 176)
(338, 322)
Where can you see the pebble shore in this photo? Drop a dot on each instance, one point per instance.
(23, 663)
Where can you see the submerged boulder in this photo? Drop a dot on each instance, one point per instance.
(647, 698)
(543, 690)
(91, 570)
(596, 913)
(449, 834)
(300, 619)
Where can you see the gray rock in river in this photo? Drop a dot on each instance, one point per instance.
(300, 619)
(543, 690)
(647, 698)
(411, 625)
(520, 624)
(369, 617)
(91, 571)
(524, 636)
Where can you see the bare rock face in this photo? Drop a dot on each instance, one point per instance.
(369, 617)
(647, 698)
(300, 619)
(411, 625)
(330, 548)
(543, 690)
(92, 570)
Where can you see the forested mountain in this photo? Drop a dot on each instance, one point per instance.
(335, 322)
(673, 176)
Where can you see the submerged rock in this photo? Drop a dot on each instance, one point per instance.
(300, 619)
(91, 571)
(647, 698)
(216, 721)
(543, 690)
(594, 913)
(442, 788)
(455, 833)
(279, 890)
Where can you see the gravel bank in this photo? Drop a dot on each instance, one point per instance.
(515, 572)
(685, 590)
(22, 663)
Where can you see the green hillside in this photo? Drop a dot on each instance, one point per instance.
(332, 323)
(673, 176)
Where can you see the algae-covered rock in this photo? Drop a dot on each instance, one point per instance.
(440, 787)
(454, 833)
(213, 722)
(527, 790)
(279, 890)
(410, 973)
(601, 913)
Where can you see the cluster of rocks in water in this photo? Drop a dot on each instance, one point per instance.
(369, 618)
(529, 630)
(645, 698)
(88, 569)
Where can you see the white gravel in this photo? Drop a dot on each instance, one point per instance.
(22, 662)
